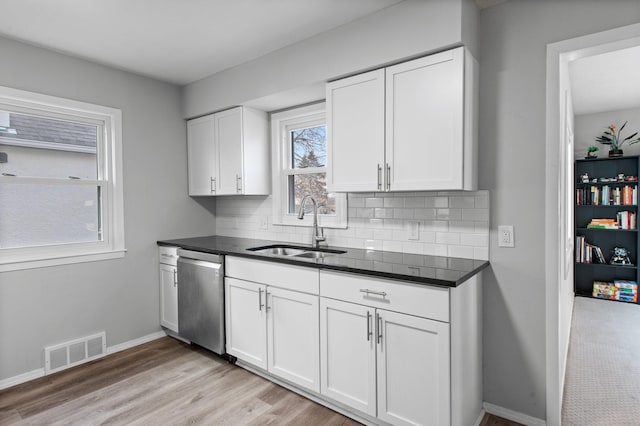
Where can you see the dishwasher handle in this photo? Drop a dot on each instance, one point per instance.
(199, 255)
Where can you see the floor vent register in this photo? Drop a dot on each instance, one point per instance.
(74, 352)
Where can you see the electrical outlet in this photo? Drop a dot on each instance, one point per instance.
(505, 236)
(414, 230)
(264, 222)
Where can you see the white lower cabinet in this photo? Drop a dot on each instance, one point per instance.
(169, 297)
(348, 354)
(246, 319)
(401, 359)
(168, 272)
(413, 370)
(384, 351)
(273, 328)
(293, 337)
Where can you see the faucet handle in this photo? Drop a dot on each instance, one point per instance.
(319, 237)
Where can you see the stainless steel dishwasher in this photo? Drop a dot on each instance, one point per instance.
(201, 299)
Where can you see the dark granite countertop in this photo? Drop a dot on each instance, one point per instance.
(433, 270)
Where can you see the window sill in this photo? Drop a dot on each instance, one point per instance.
(18, 265)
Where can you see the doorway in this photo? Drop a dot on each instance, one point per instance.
(559, 196)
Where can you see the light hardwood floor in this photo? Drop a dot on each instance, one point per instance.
(164, 382)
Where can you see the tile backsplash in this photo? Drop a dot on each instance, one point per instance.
(449, 223)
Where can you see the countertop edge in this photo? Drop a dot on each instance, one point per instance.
(340, 268)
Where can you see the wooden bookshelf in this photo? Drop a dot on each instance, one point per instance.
(586, 273)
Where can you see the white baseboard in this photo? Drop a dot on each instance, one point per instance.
(480, 418)
(21, 378)
(35, 374)
(514, 416)
(135, 342)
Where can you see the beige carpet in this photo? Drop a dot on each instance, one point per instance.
(602, 384)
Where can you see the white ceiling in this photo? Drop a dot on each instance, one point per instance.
(178, 41)
(606, 82)
(173, 40)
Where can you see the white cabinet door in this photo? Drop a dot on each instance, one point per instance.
(413, 370)
(293, 337)
(229, 141)
(425, 122)
(355, 133)
(169, 297)
(246, 321)
(201, 156)
(348, 355)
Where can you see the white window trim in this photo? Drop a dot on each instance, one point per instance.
(113, 245)
(280, 122)
(53, 146)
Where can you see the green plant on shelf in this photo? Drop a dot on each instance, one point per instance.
(612, 136)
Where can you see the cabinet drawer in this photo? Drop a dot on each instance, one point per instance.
(297, 278)
(420, 300)
(168, 255)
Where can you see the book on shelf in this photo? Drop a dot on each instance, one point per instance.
(588, 253)
(627, 220)
(607, 196)
(605, 223)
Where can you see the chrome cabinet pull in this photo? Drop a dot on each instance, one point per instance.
(379, 327)
(266, 300)
(379, 176)
(175, 277)
(388, 177)
(377, 293)
(213, 184)
(260, 305)
(238, 184)
(368, 326)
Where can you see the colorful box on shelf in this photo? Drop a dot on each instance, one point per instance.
(626, 291)
(603, 290)
(621, 290)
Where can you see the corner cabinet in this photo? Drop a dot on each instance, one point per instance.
(408, 127)
(228, 153)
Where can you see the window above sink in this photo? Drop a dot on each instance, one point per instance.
(299, 167)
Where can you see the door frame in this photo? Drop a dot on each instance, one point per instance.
(558, 57)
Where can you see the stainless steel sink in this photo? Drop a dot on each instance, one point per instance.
(280, 251)
(295, 251)
(314, 254)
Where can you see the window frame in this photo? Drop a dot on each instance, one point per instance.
(281, 125)
(109, 179)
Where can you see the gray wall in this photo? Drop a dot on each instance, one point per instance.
(513, 39)
(407, 29)
(40, 307)
(589, 126)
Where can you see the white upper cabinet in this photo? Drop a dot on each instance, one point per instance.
(355, 127)
(201, 156)
(228, 153)
(408, 127)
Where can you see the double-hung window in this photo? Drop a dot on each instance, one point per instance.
(60, 181)
(300, 168)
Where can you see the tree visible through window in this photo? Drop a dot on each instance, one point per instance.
(300, 167)
(309, 151)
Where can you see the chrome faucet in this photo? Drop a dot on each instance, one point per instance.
(318, 233)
